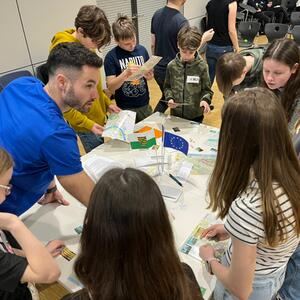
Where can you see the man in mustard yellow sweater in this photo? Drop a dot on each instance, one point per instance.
(92, 30)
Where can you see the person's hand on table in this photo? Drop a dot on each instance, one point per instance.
(53, 197)
(55, 247)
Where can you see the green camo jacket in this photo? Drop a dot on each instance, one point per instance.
(187, 82)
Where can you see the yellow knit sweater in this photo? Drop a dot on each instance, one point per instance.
(83, 122)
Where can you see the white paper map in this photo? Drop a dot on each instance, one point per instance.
(194, 241)
(147, 66)
(119, 125)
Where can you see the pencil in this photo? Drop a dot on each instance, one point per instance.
(175, 179)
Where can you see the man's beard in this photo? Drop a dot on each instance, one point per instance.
(72, 101)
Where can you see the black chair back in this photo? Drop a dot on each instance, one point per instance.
(42, 73)
(248, 31)
(275, 31)
(296, 34)
(7, 78)
(290, 4)
(295, 18)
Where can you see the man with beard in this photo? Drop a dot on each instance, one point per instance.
(33, 129)
(92, 30)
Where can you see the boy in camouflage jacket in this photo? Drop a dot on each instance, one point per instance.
(187, 86)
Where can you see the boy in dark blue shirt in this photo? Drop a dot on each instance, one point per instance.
(123, 61)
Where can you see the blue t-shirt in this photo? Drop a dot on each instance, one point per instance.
(165, 25)
(131, 94)
(34, 132)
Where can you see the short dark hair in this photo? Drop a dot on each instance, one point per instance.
(123, 28)
(189, 38)
(229, 67)
(71, 56)
(94, 24)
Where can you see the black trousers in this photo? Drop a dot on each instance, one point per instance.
(160, 79)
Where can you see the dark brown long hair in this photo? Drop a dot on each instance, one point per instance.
(254, 137)
(127, 244)
(286, 51)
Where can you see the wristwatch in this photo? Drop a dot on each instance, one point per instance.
(208, 265)
(51, 190)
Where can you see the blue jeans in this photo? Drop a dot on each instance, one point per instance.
(264, 287)
(213, 52)
(90, 140)
(290, 289)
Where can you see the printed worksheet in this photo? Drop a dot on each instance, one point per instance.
(147, 66)
(119, 125)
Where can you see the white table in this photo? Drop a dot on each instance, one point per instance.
(58, 222)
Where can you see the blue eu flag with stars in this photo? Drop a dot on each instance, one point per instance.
(176, 142)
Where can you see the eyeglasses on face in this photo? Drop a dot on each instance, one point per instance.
(7, 188)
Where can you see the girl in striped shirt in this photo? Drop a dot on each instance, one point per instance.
(256, 186)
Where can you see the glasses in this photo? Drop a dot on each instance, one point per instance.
(7, 188)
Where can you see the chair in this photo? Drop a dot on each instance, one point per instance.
(42, 73)
(295, 18)
(7, 78)
(289, 5)
(248, 31)
(248, 11)
(275, 31)
(296, 34)
(240, 16)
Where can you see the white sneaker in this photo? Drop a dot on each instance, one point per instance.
(33, 290)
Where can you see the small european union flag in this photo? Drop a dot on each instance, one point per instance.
(176, 142)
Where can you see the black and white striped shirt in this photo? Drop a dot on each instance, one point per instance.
(245, 222)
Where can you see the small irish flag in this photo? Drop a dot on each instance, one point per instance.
(142, 140)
